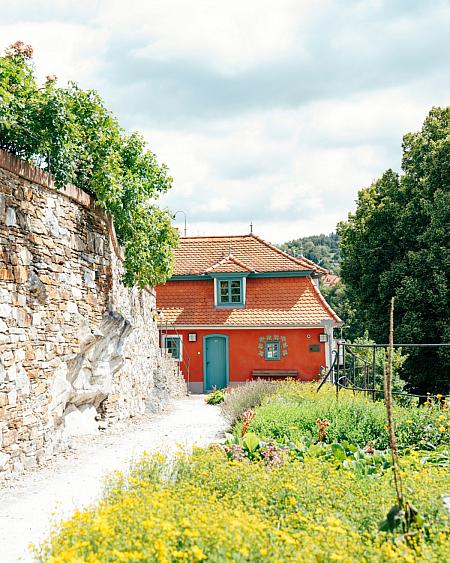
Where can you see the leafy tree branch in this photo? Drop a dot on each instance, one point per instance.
(70, 133)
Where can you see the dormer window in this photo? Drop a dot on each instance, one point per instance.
(229, 291)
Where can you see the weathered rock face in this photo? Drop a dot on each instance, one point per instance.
(76, 346)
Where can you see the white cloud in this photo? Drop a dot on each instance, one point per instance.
(307, 164)
(230, 36)
(71, 51)
(342, 84)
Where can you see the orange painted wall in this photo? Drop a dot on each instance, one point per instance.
(243, 353)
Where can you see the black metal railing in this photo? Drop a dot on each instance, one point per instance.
(352, 371)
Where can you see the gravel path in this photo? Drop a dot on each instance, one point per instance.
(29, 505)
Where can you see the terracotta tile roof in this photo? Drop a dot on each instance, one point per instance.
(201, 255)
(270, 302)
(330, 279)
(228, 264)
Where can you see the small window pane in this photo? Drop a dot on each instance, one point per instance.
(272, 351)
(230, 292)
(173, 346)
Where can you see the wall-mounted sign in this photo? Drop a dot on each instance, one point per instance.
(314, 347)
(323, 337)
(192, 337)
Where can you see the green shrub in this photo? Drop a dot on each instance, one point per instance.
(70, 133)
(204, 507)
(216, 397)
(293, 411)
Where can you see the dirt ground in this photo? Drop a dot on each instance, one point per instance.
(30, 504)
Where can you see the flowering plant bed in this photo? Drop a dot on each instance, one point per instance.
(204, 507)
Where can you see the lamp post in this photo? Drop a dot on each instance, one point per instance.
(175, 214)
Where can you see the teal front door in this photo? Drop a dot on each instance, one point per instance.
(216, 361)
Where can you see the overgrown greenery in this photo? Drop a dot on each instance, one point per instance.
(205, 508)
(292, 414)
(397, 244)
(322, 249)
(255, 499)
(69, 132)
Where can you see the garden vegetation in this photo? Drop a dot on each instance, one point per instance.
(70, 133)
(273, 496)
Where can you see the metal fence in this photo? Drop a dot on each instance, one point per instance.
(359, 367)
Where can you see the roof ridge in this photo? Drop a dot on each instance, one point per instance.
(228, 258)
(325, 303)
(225, 237)
(316, 266)
(299, 261)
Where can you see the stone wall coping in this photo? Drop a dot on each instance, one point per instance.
(32, 173)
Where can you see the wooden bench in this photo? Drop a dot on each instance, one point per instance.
(274, 373)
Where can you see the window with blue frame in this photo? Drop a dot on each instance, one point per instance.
(173, 346)
(272, 350)
(230, 292)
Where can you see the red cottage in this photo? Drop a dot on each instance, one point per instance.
(238, 308)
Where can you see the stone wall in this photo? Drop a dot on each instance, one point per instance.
(78, 350)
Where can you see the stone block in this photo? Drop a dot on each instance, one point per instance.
(6, 274)
(19, 354)
(23, 319)
(5, 309)
(9, 438)
(5, 296)
(37, 226)
(2, 208)
(11, 217)
(4, 459)
(20, 274)
(12, 397)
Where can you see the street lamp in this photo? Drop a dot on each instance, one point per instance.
(175, 214)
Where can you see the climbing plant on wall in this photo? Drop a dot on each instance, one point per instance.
(70, 133)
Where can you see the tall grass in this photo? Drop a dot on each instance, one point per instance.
(292, 409)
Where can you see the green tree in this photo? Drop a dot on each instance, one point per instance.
(322, 249)
(70, 133)
(337, 296)
(397, 244)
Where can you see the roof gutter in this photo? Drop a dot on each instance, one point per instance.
(209, 276)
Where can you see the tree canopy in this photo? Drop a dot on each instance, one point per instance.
(70, 133)
(397, 243)
(322, 249)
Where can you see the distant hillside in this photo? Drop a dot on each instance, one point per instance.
(321, 249)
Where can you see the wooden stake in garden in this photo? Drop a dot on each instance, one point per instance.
(390, 414)
(404, 514)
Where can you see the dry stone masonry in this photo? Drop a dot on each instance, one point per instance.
(78, 350)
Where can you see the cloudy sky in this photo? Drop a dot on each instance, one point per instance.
(275, 112)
